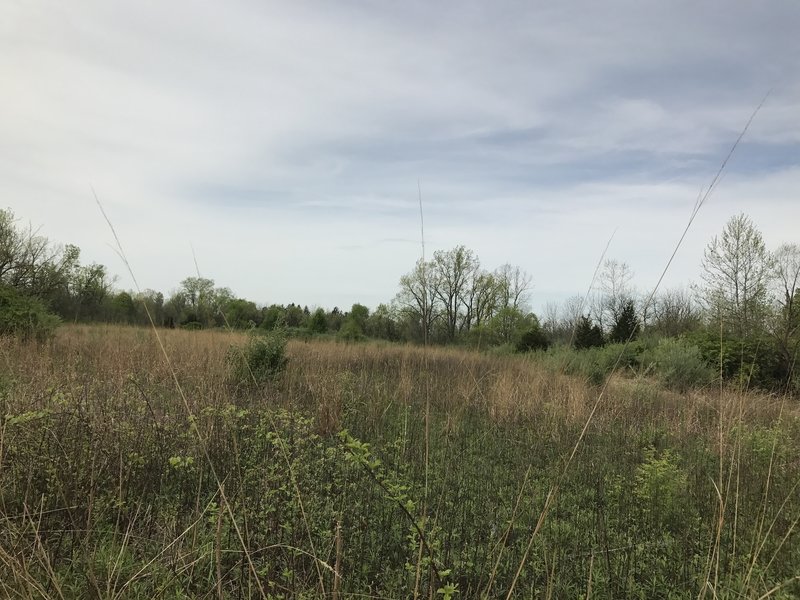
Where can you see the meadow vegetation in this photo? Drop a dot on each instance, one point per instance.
(236, 466)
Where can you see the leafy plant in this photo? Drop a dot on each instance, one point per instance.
(679, 364)
(25, 317)
(262, 359)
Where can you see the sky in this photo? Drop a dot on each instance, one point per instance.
(284, 145)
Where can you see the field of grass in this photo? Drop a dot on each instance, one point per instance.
(379, 471)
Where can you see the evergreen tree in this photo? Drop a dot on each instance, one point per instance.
(626, 325)
(587, 334)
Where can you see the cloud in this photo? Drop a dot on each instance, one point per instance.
(285, 141)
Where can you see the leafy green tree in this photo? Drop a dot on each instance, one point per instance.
(587, 334)
(272, 317)
(152, 302)
(30, 263)
(350, 331)
(91, 288)
(382, 324)
(510, 323)
(294, 316)
(318, 323)
(335, 319)
(360, 314)
(241, 313)
(123, 308)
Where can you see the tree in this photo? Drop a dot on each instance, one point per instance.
(294, 316)
(615, 291)
(416, 300)
(241, 313)
(335, 319)
(381, 324)
(197, 294)
(674, 313)
(587, 334)
(360, 314)
(123, 308)
(626, 324)
(514, 286)
(91, 287)
(453, 271)
(510, 323)
(484, 298)
(152, 302)
(272, 317)
(318, 323)
(785, 322)
(736, 267)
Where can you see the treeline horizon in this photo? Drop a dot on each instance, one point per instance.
(746, 304)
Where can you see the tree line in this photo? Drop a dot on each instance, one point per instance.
(746, 307)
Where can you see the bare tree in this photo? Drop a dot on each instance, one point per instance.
(30, 263)
(417, 297)
(515, 285)
(785, 323)
(453, 272)
(613, 292)
(481, 299)
(736, 268)
(674, 312)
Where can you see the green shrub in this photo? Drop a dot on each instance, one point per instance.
(533, 339)
(661, 488)
(752, 361)
(261, 360)
(679, 364)
(350, 331)
(25, 317)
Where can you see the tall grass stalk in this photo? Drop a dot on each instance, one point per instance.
(553, 491)
(189, 413)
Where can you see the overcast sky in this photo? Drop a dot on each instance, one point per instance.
(284, 141)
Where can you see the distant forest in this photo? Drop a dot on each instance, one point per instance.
(743, 316)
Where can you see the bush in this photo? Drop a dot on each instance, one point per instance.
(351, 331)
(679, 364)
(25, 317)
(661, 488)
(263, 359)
(533, 339)
(753, 361)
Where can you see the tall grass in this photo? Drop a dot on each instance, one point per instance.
(105, 492)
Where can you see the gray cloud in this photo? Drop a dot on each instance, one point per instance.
(282, 139)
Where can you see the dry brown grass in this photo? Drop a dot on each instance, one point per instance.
(325, 375)
(109, 393)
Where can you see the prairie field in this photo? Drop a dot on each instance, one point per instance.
(137, 468)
